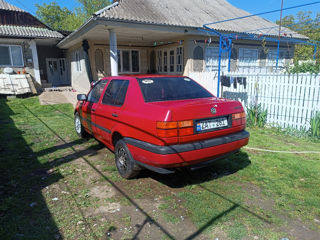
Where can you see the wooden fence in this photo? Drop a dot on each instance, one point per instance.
(291, 100)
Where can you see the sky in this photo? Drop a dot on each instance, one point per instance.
(252, 6)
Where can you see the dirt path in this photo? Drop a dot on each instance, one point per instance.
(56, 97)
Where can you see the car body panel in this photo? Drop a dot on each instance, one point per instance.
(137, 119)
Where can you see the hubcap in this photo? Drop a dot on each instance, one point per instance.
(78, 125)
(122, 158)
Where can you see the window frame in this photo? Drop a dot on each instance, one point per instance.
(272, 62)
(77, 58)
(166, 61)
(248, 64)
(10, 55)
(115, 105)
(96, 85)
(215, 59)
(120, 60)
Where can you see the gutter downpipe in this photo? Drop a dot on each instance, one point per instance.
(85, 47)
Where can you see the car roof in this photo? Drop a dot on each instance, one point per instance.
(135, 76)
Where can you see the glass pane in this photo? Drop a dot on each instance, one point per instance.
(126, 61)
(4, 56)
(16, 56)
(119, 60)
(135, 61)
(172, 61)
(116, 92)
(171, 88)
(95, 93)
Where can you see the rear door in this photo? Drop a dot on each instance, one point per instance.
(89, 107)
(109, 112)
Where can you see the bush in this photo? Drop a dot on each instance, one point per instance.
(306, 67)
(256, 116)
(315, 126)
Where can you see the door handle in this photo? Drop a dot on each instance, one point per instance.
(93, 110)
(114, 115)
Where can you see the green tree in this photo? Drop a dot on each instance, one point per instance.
(91, 6)
(306, 25)
(59, 18)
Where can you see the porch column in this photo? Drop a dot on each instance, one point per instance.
(113, 53)
(33, 47)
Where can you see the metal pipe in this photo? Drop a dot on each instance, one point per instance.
(230, 52)
(219, 66)
(278, 52)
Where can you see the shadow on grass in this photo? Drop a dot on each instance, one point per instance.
(23, 210)
(82, 155)
(181, 179)
(184, 177)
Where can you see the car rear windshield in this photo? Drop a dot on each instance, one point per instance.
(171, 88)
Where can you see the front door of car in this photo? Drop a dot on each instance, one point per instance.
(109, 112)
(89, 107)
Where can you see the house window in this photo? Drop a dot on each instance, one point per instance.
(165, 61)
(78, 61)
(172, 61)
(159, 56)
(179, 59)
(248, 57)
(212, 59)
(272, 58)
(128, 61)
(135, 61)
(11, 56)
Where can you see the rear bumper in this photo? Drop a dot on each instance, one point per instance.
(185, 154)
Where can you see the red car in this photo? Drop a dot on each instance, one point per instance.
(160, 122)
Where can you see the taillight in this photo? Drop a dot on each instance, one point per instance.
(165, 133)
(185, 128)
(238, 119)
(175, 129)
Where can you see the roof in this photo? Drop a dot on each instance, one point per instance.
(7, 6)
(22, 29)
(191, 13)
(28, 32)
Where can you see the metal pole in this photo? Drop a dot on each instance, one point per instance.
(278, 51)
(230, 52)
(219, 67)
(279, 34)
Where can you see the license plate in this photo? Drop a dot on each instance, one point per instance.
(212, 124)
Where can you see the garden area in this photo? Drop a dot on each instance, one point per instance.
(54, 185)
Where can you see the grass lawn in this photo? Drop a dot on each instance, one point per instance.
(54, 185)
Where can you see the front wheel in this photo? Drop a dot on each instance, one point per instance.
(126, 166)
(78, 127)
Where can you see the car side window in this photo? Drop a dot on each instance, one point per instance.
(116, 93)
(95, 93)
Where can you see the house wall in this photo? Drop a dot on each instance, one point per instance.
(192, 65)
(45, 52)
(26, 53)
(144, 55)
(79, 79)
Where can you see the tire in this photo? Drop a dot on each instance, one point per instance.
(126, 166)
(79, 128)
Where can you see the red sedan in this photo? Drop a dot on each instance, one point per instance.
(160, 122)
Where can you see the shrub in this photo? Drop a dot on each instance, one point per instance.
(315, 125)
(256, 116)
(306, 67)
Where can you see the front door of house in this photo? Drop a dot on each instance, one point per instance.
(57, 71)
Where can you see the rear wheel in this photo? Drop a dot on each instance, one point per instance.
(78, 127)
(126, 166)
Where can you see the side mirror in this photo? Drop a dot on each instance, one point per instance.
(81, 97)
